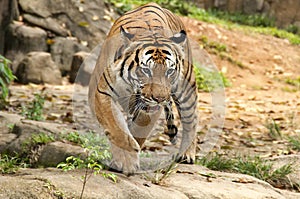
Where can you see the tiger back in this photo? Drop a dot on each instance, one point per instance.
(144, 66)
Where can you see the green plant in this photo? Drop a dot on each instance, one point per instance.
(97, 151)
(208, 80)
(6, 76)
(74, 137)
(216, 162)
(10, 165)
(34, 111)
(161, 174)
(274, 129)
(295, 142)
(254, 166)
(294, 82)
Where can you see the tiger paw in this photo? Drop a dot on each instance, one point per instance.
(125, 161)
(189, 156)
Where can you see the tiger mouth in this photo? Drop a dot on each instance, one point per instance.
(151, 108)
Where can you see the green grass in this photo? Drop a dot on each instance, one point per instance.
(208, 81)
(35, 140)
(294, 82)
(254, 166)
(274, 129)
(34, 110)
(253, 23)
(97, 151)
(10, 164)
(294, 142)
(6, 76)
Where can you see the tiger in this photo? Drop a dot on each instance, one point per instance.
(144, 67)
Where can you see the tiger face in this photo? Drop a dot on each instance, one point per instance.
(155, 69)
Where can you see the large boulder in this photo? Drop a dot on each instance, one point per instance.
(87, 20)
(77, 64)
(22, 39)
(38, 68)
(62, 51)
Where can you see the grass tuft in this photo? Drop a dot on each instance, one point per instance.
(254, 166)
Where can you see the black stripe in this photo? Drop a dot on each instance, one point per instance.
(111, 88)
(136, 58)
(140, 8)
(152, 11)
(123, 66)
(188, 122)
(101, 92)
(189, 107)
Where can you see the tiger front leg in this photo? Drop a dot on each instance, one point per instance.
(186, 104)
(125, 150)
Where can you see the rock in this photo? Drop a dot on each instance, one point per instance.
(86, 20)
(294, 160)
(39, 183)
(8, 12)
(47, 23)
(285, 13)
(22, 39)
(62, 51)
(7, 122)
(56, 152)
(77, 61)
(38, 68)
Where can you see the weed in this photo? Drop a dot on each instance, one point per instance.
(213, 45)
(37, 139)
(6, 76)
(254, 166)
(295, 142)
(34, 111)
(97, 151)
(216, 162)
(208, 80)
(10, 165)
(274, 129)
(294, 82)
(162, 174)
(74, 137)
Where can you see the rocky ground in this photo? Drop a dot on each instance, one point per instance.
(257, 67)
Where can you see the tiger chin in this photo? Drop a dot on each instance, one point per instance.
(145, 66)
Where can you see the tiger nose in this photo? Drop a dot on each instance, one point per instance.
(158, 99)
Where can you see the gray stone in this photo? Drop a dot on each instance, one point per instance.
(56, 152)
(78, 66)
(7, 122)
(86, 20)
(38, 68)
(62, 51)
(22, 39)
(47, 23)
(186, 181)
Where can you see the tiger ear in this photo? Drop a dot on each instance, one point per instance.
(179, 38)
(125, 34)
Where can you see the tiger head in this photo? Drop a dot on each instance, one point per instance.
(154, 65)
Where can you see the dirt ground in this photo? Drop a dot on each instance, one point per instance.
(259, 94)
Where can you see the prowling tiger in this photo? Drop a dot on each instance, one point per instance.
(145, 64)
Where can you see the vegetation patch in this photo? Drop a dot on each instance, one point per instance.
(254, 166)
(97, 149)
(208, 80)
(34, 110)
(6, 76)
(11, 164)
